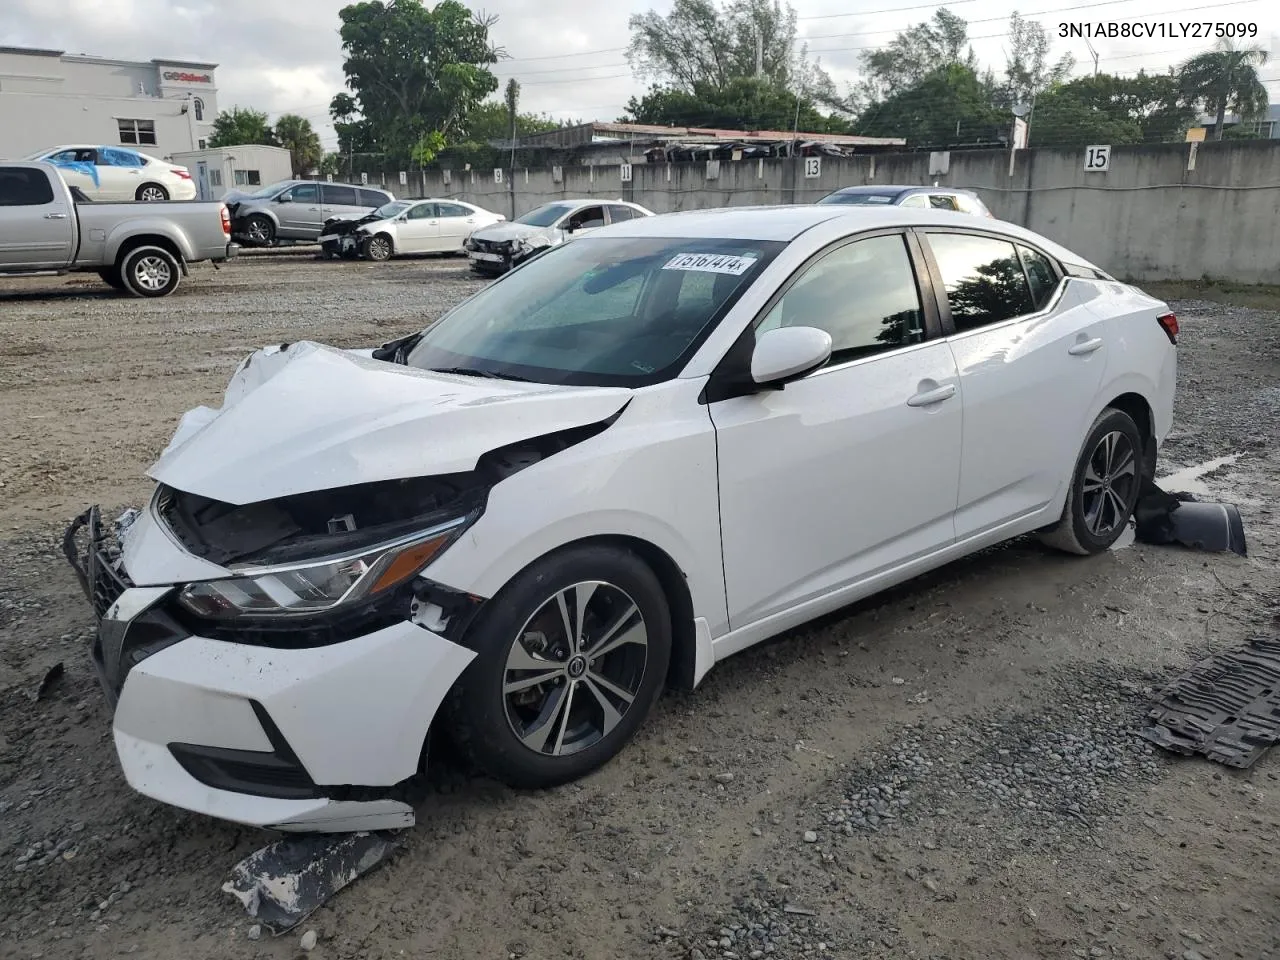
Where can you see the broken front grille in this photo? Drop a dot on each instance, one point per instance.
(95, 557)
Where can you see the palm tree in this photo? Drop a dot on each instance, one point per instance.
(296, 135)
(1226, 79)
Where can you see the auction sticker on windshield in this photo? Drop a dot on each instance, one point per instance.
(711, 263)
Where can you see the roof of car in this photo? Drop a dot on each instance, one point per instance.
(897, 188)
(785, 223)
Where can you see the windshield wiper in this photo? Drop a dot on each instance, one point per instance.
(473, 372)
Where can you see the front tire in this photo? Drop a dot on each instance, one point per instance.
(150, 272)
(260, 231)
(1104, 487)
(377, 248)
(151, 193)
(571, 656)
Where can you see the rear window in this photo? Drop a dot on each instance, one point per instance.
(859, 199)
(22, 187)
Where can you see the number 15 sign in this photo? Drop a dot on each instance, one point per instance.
(1097, 158)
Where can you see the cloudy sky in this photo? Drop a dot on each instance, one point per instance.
(284, 55)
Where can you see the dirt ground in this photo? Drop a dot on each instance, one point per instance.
(949, 771)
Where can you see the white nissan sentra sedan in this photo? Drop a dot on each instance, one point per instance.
(626, 460)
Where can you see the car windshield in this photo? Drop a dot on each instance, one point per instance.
(625, 311)
(272, 190)
(389, 210)
(859, 199)
(545, 215)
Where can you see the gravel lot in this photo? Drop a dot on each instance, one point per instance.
(948, 771)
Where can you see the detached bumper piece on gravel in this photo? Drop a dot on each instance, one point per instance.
(284, 883)
(1179, 518)
(1226, 708)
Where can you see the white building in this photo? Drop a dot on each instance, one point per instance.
(49, 97)
(245, 167)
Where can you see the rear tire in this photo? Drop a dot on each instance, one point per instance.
(150, 272)
(1104, 487)
(151, 193)
(537, 707)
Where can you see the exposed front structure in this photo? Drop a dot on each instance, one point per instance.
(50, 97)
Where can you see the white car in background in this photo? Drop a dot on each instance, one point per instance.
(407, 227)
(119, 173)
(498, 248)
(634, 456)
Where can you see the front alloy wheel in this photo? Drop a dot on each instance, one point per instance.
(570, 657)
(575, 668)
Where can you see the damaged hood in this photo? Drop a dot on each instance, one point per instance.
(502, 232)
(309, 417)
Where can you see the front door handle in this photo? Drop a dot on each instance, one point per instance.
(928, 398)
(1085, 347)
(55, 216)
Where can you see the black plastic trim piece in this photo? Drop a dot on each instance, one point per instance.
(276, 773)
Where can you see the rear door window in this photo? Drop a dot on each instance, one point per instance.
(942, 201)
(23, 187)
(915, 200)
(983, 277)
(1041, 275)
(452, 210)
(618, 213)
(338, 196)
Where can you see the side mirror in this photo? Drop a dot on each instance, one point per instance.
(789, 353)
(284, 198)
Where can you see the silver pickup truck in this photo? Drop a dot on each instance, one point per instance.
(140, 248)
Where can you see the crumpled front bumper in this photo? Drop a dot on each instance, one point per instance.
(313, 739)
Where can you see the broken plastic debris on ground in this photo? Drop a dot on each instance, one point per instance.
(284, 883)
(1225, 708)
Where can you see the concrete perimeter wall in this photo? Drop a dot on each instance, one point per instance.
(1160, 212)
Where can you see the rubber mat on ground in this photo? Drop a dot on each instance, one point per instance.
(1226, 708)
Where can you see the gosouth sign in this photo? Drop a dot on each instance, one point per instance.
(188, 77)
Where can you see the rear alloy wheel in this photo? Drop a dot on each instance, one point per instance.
(571, 656)
(151, 193)
(150, 272)
(377, 248)
(1104, 488)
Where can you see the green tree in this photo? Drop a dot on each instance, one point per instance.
(1226, 79)
(951, 105)
(236, 126)
(331, 164)
(705, 46)
(294, 133)
(1027, 68)
(411, 72)
(491, 120)
(1111, 109)
(743, 104)
(915, 53)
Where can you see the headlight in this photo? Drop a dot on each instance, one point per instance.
(316, 586)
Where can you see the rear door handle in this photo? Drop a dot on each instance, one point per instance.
(929, 397)
(55, 216)
(313, 209)
(1084, 347)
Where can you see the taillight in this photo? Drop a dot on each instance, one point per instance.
(184, 174)
(1169, 324)
(226, 222)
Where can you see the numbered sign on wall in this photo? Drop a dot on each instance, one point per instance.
(364, 178)
(812, 167)
(1097, 158)
(329, 177)
(404, 178)
(626, 173)
(497, 174)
